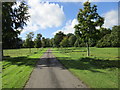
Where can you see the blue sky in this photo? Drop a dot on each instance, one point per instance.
(61, 16)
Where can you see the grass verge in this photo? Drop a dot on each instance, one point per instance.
(16, 70)
(100, 70)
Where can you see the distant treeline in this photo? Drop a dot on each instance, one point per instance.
(106, 38)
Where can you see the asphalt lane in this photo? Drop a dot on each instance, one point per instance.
(50, 73)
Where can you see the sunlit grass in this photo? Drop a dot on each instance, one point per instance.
(20, 52)
(17, 68)
(100, 70)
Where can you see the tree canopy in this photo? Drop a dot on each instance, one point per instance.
(37, 41)
(13, 20)
(58, 38)
(88, 21)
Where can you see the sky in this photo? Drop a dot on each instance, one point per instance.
(48, 18)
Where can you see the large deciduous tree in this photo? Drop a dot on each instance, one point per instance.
(58, 38)
(110, 38)
(72, 40)
(43, 42)
(64, 42)
(37, 41)
(88, 21)
(13, 20)
(29, 42)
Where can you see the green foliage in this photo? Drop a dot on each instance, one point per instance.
(29, 42)
(115, 39)
(43, 42)
(58, 38)
(110, 40)
(37, 41)
(77, 43)
(52, 42)
(48, 42)
(69, 34)
(72, 40)
(13, 20)
(104, 42)
(103, 32)
(64, 42)
(88, 20)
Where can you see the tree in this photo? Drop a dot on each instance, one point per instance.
(64, 42)
(72, 40)
(105, 41)
(111, 39)
(114, 37)
(103, 32)
(37, 41)
(88, 20)
(77, 43)
(58, 38)
(13, 20)
(69, 34)
(47, 42)
(52, 42)
(29, 42)
(43, 42)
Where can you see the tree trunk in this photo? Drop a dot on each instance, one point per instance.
(1, 49)
(88, 49)
(1, 54)
(30, 50)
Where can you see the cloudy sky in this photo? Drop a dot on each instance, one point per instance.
(48, 18)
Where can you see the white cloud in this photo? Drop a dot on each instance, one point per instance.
(111, 18)
(44, 15)
(69, 27)
(82, 0)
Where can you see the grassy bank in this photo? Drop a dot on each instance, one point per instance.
(100, 70)
(18, 67)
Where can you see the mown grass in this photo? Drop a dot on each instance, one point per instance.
(20, 52)
(100, 70)
(17, 68)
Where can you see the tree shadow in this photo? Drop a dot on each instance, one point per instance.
(89, 63)
(32, 62)
(19, 61)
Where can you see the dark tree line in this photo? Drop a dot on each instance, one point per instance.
(107, 38)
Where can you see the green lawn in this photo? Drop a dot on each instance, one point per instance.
(20, 52)
(18, 67)
(100, 70)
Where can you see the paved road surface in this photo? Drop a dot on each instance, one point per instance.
(49, 73)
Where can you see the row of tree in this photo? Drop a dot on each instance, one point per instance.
(38, 42)
(107, 38)
(59, 40)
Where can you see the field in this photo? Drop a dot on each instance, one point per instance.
(100, 70)
(18, 65)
